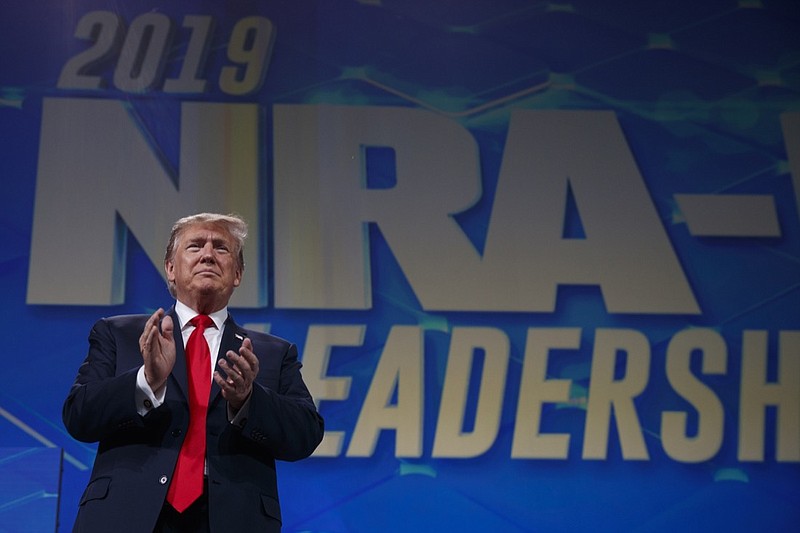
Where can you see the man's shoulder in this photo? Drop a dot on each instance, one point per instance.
(122, 328)
(261, 337)
(125, 321)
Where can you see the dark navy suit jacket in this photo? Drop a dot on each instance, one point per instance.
(136, 455)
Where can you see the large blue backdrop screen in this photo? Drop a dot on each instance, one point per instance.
(540, 259)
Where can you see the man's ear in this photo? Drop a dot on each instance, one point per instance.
(169, 270)
(238, 279)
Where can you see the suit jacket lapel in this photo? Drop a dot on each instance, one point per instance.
(179, 373)
(232, 338)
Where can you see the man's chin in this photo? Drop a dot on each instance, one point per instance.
(207, 287)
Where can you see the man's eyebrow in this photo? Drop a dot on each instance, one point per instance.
(215, 241)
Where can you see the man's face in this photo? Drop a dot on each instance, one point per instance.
(204, 267)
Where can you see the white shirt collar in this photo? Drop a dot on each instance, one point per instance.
(186, 313)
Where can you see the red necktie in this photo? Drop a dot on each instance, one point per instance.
(187, 480)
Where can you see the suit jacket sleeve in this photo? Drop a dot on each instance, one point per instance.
(282, 418)
(101, 402)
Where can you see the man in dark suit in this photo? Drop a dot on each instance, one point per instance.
(173, 455)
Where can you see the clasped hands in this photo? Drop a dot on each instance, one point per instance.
(158, 352)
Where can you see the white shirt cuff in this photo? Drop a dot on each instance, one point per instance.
(146, 398)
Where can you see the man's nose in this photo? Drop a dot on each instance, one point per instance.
(208, 252)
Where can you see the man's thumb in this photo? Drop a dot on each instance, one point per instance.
(167, 327)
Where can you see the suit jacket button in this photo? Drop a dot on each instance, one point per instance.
(176, 432)
(163, 480)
